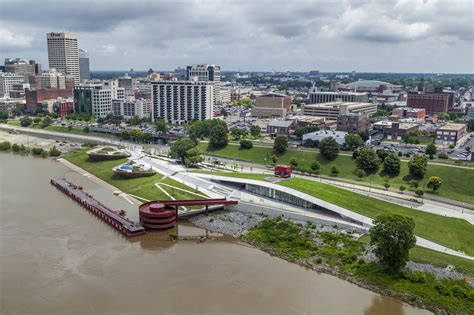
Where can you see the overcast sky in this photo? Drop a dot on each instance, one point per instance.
(332, 35)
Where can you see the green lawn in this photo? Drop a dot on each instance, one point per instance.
(428, 256)
(454, 233)
(458, 183)
(143, 187)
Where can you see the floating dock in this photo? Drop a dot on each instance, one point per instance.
(114, 218)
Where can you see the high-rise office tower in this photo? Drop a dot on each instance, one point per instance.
(209, 73)
(63, 53)
(84, 71)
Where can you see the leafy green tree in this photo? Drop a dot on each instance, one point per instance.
(402, 188)
(16, 112)
(391, 165)
(329, 148)
(224, 112)
(179, 149)
(419, 192)
(382, 154)
(193, 157)
(47, 121)
(86, 129)
(359, 173)
(434, 183)
(393, 237)
(237, 133)
(280, 144)
(36, 151)
(37, 120)
(274, 159)
(161, 126)
(430, 149)
(353, 141)
(386, 185)
(417, 166)
(246, 144)
(15, 148)
(334, 170)
(443, 116)
(315, 166)
(368, 160)
(470, 124)
(54, 151)
(255, 131)
(3, 115)
(5, 146)
(218, 137)
(294, 162)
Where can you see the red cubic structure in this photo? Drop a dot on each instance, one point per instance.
(161, 215)
(282, 171)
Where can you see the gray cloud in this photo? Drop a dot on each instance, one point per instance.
(259, 35)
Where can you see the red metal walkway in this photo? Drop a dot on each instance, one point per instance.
(160, 215)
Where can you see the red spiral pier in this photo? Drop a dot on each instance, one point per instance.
(113, 218)
(162, 215)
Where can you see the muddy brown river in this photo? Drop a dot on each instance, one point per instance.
(56, 258)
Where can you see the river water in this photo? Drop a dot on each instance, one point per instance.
(56, 258)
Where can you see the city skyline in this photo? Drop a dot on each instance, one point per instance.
(365, 36)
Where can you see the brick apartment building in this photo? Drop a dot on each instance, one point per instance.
(415, 113)
(34, 98)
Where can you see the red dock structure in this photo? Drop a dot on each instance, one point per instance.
(112, 217)
(162, 215)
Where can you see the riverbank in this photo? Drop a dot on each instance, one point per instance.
(325, 249)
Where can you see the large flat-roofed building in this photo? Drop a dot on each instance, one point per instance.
(371, 86)
(281, 127)
(209, 73)
(353, 122)
(433, 103)
(63, 53)
(326, 97)
(182, 101)
(333, 110)
(271, 105)
(339, 136)
(7, 81)
(451, 134)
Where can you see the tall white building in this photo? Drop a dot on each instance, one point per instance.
(182, 101)
(63, 54)
(84, 69)
(206, 72)
(7, 81)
